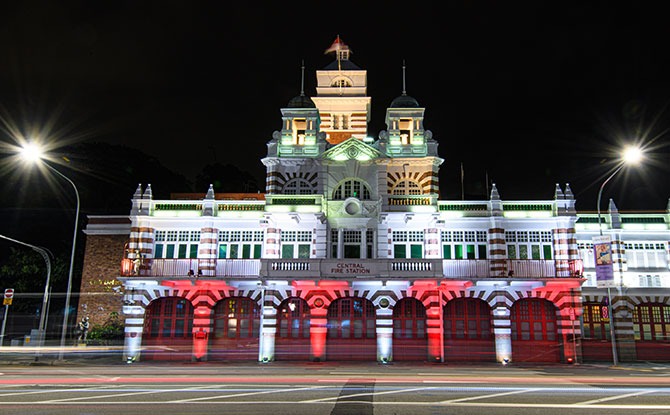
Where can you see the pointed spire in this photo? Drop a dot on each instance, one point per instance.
(568, 192)
(494, 192)
(148, 194)
(612, 207)
(496, 203)
(558, 193)
(615, 217)
(138, 191)
(210, 192)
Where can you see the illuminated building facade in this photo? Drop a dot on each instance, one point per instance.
(351, 255)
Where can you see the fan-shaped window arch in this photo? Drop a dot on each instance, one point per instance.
(298, 186)
(352, 188)
(406, 187)
(341, 83)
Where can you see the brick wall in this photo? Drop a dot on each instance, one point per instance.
(102, 264)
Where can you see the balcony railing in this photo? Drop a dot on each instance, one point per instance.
(356, 268)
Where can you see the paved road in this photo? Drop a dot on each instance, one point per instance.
(105, 385)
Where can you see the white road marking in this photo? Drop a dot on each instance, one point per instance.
(80, 398)
(363, 394)
(611, 398)
(246, 394)
(472, 398)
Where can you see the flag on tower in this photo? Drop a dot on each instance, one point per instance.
(337, 46)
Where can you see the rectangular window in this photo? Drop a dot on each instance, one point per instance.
(523, 252)
(246, 251)
(257, 251)
(159, 251)
(194, 251)
(223, 249)
(535, 251)
(303, 251)
(287, 251)
(416, 251)
(182, 250)
(169, 252)
(470, 250)
(547, 251)
(459, 251)
(446, 251)
(399, 251)
(482, 251)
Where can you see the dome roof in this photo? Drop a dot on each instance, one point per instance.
(404, 101)
(301, 101)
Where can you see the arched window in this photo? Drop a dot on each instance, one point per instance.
(596, 323)
(341, 83)
(298, 186)
(409, 319)
(651, 321)
(467, 318)
(406, 187)
(236, 318)
(352, 188)
(169, 318)
(293, 319)
(351, 318)
(533, 320)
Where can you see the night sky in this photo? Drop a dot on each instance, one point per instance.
(522, 94)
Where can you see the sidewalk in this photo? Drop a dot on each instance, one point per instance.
(73, 355)
(113, 355)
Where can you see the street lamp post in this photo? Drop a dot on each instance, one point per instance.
(630, 156)
(45, 299)
(33, 153)
(68, 293)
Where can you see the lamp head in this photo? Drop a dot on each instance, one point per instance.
(31, 153)
(632, 155)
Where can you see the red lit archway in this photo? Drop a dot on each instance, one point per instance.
(292, 340)
(468, 336)
(167, 332)
(235, 332)
(352, 333)
(410, 341)
(534, 331)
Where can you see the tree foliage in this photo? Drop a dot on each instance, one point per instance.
(25, 271)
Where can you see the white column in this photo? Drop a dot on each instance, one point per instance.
(384, 334)
(502, 330)
(364, 243)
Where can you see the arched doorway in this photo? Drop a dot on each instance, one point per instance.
(292, 340)
(410, 341)
(236, 328)
(534, 331)
(352, 332)
(467, 331)
(167, 332)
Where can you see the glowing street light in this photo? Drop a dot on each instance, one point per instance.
(45, 299)
(630, 156)
(33, 154)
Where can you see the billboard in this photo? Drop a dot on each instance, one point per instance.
(602, 249)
